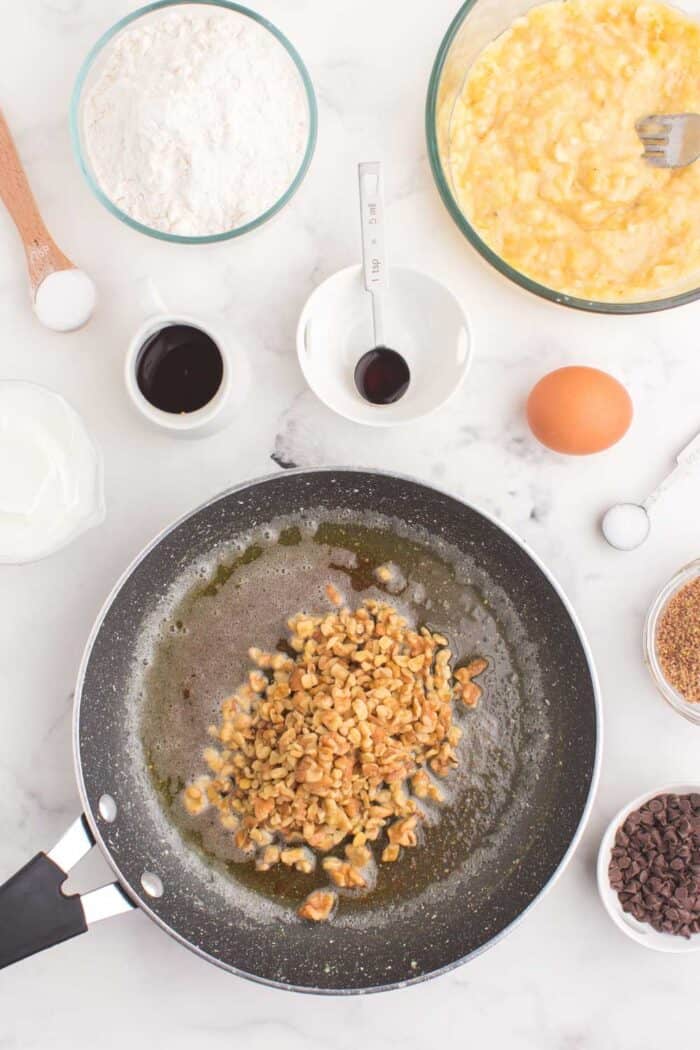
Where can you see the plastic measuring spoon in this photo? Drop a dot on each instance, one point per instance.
(626, 526)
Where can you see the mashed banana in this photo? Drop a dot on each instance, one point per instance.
(546, 162)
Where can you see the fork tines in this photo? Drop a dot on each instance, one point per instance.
(670, 140)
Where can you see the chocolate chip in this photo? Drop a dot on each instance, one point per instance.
(655, 864)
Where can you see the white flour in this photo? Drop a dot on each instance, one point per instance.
(197, 120)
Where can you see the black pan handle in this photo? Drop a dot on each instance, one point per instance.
(36, 914)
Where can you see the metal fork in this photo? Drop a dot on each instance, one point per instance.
(671, 140)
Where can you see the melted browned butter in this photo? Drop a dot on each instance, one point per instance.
(201, 657)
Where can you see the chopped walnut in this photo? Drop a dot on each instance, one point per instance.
(318, 749)
(268, 858)
(334, 595)
(424, 788)
(469, 692)
(403, 832)
(358, 856)
(318, 906)
(477, 667)
(195, 799)
(257, 681)
(344, 874)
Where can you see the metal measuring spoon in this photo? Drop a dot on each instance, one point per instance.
(626, 526)
(382, 376)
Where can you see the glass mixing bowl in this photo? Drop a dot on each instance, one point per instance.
(678, 702)
(476, 25)
(90, 69)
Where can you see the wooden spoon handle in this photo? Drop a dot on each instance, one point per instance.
(43, 255)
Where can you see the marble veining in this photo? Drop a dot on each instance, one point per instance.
(565, 979)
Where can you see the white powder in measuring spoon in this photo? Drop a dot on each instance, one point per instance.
(65, 300)
(197, 121)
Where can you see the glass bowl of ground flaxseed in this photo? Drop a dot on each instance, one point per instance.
(672, 642)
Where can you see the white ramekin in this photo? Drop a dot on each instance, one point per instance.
(213, 416)
(640, 932)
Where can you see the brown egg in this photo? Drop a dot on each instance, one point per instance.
(578, 411)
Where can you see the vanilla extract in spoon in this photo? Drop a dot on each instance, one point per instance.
(382, 375)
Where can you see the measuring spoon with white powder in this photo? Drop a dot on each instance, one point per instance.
(64, 297)
(626, 526)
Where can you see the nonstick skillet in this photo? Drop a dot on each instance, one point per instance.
(527, 773)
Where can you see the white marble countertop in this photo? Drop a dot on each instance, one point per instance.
(566, 978)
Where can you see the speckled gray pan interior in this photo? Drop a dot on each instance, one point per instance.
(479, 888)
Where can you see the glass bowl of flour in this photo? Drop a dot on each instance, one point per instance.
(194, 122)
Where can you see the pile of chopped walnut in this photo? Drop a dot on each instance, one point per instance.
(336, 744)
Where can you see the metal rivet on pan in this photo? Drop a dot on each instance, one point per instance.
(107, 808)
(152, 884)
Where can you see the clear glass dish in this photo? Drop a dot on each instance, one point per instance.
(476, 25)
(689, 710)
(85, 78)
(51, 474)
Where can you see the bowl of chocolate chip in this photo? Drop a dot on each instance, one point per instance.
(649, 869)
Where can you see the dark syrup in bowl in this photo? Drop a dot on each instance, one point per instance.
(179, 369)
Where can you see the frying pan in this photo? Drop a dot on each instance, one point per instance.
(483, 874)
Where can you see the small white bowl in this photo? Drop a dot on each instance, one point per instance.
(424, 322)
(51, 477)
(640, 932)
(213, 416)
